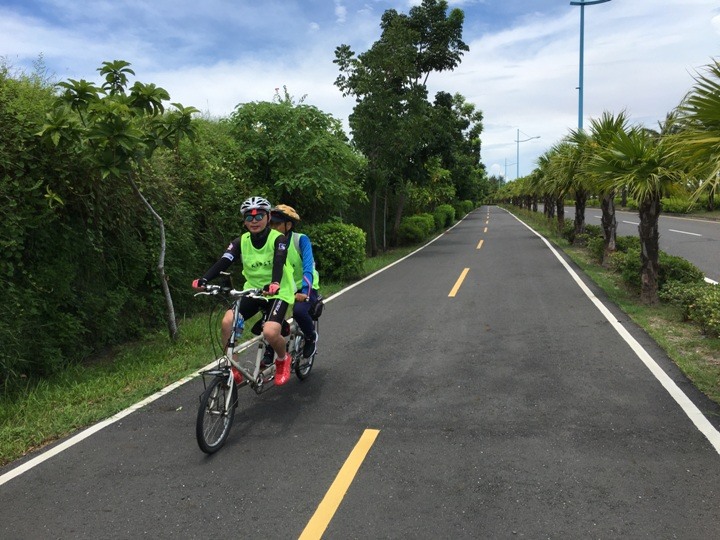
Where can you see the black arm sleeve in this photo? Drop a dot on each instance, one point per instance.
(231, 254)
(281, 244)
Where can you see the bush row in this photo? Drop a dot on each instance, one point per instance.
(418, 228)
(672, 205)
(680, 282)
(699, 302)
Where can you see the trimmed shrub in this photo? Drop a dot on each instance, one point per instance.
(444, 216)
(462, 208)
(414, 229)
(682, 295)
(705, 310)
(625, 243)
(596, 247)
(675, 205)
(673, 268)
(594, 231)
(339, 249)
(629, 265)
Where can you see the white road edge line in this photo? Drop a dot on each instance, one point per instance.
(688, 407)
(72, 441)
(684, 232)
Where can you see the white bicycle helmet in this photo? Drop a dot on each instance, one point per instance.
(255, 203)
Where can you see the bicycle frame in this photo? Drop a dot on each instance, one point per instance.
(220, 398)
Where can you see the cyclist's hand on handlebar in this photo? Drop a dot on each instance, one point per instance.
(272, 289)
(300, 297)
(199, 284)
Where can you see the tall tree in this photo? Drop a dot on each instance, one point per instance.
(391, 119)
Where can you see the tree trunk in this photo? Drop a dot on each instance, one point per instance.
(609, 225)
(171, 322)
(580, 201)
(650, 250)
(560, 207)
(623, 197)
(549, 207)
(385, 218)
(398, 216)
(373, 221)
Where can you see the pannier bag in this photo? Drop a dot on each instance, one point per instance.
(316, 308)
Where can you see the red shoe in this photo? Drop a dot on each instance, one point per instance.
(237, 375)
(282, 370)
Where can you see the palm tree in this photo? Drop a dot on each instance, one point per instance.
(698, 140)
(567, 166)
(602, 131)
(642, 162)
(555, 180)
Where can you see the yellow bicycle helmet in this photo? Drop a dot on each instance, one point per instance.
(283, 212)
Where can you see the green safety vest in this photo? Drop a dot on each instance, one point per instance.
(257, 267)
(295, 260)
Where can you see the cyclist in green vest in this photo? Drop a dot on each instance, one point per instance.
(263, 254)
(307, 281)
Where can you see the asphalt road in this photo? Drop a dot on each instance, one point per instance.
(696, 240)
(513, 409)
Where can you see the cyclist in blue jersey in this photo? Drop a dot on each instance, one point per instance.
(283, 218)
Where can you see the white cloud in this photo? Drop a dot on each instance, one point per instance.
(340, 12)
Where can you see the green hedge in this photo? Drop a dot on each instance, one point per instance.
(339, 249)
(699, 302)
(444, 216)
(417, 228)
(463, 208)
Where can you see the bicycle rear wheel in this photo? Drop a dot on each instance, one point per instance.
(214, 418)
(303, 365)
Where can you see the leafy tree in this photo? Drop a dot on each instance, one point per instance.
(117, 131)
(298, 155)
(455, 138)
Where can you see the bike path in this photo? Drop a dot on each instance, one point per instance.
(511, 409)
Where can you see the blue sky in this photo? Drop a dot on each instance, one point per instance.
(521, 71)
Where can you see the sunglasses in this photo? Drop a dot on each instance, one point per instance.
(257, 217)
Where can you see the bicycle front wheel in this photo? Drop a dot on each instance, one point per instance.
(214, 416)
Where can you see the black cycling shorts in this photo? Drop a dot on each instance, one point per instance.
(275, 309)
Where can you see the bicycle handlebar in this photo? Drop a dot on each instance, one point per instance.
(212, 290)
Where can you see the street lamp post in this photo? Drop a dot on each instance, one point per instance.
(517, 155)
(582, 4)
(506, 166)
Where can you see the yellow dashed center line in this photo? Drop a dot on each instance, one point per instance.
(334, 496)
(480, 244)
(458, 283)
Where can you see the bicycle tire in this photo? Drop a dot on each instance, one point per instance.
(303, 366)
(213, 419)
